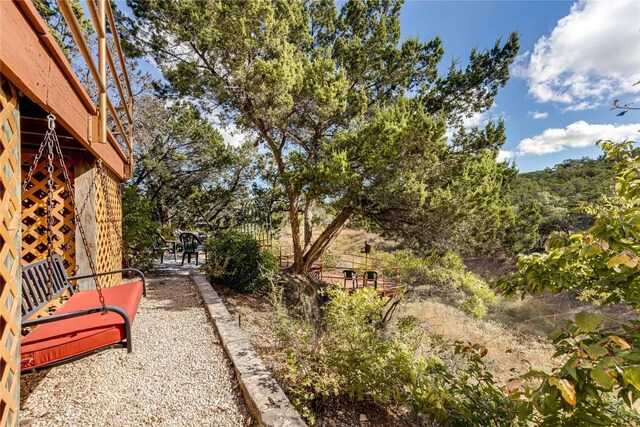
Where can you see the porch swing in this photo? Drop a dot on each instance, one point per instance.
(88, 321)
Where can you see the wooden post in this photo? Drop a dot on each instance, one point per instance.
(10, 253)
(85, 175)
(102, 70)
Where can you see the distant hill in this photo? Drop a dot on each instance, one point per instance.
(574, 180)
(559, 190)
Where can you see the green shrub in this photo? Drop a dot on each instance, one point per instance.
(236, 260)
(138, 227)
(444, 276)
(354, 357)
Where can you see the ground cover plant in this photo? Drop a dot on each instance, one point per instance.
(352, 355)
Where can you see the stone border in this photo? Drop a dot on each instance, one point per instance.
(264, 397)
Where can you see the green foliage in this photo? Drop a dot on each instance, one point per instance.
(138, 227)
(558, 193)
(597, 385)
(604, 259)
(353, 356)
(237, 261)
(351, 114)
(444, 276)
(184, 166)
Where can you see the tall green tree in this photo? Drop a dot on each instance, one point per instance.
(352, 116)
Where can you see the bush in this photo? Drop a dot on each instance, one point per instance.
(444, 276)
(236, 260)
(138, 227)
(354, 357)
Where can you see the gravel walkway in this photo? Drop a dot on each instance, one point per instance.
(177, 375)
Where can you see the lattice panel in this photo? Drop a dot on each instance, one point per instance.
(9, 253)
(109, 249)
(34, 213)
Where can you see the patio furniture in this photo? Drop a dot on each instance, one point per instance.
(191, 245)
(370, 276)
(81, 326)
(351, 276)
(163, 246)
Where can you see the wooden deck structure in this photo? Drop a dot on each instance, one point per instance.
(37, 79)
(387, 282)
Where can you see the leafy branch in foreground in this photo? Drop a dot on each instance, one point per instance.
(599, 382)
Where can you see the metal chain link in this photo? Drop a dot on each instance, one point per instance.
(78, 221)
(50, 204)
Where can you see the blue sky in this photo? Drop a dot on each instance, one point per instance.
(575, 59)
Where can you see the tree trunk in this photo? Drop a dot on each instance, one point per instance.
(295, 236)
(309, 204)
(326, 238)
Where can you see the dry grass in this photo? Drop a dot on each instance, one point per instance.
(514, 331)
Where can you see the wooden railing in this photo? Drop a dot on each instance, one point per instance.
(387, 282)
(101, 14)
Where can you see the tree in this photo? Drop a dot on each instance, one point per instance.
(58, 26)
(600, 369)
(352, 117)
(184, 166)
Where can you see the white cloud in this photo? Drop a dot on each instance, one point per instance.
(482, 118)
(591, 56)
(579, 134)
(537, 115)
(504, 155)
(232, 136)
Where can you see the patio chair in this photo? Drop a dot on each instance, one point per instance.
(370, 276)
(351, 276)
(163, 246)
(191, 245)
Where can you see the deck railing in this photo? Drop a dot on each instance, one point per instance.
(102, 14)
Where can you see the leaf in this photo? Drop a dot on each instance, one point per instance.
(513, 385)
(570, 368)
(632, 376)
(566, 389)
(553, 335)
(600, 376)
(590, 419)
(525, 411)
(590, 250)
(483, 351)
(588, 322)
(627, 258)
(616, 260)
(595, 351)
(619, 342)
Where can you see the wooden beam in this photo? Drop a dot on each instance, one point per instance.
(32, 63)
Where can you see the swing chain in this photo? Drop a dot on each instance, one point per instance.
(50, 205)
(78, 222)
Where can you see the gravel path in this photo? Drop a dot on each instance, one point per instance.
(177, 375)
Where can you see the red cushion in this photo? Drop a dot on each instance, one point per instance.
(55, 341)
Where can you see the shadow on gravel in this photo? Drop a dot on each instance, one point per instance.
(172, 293)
